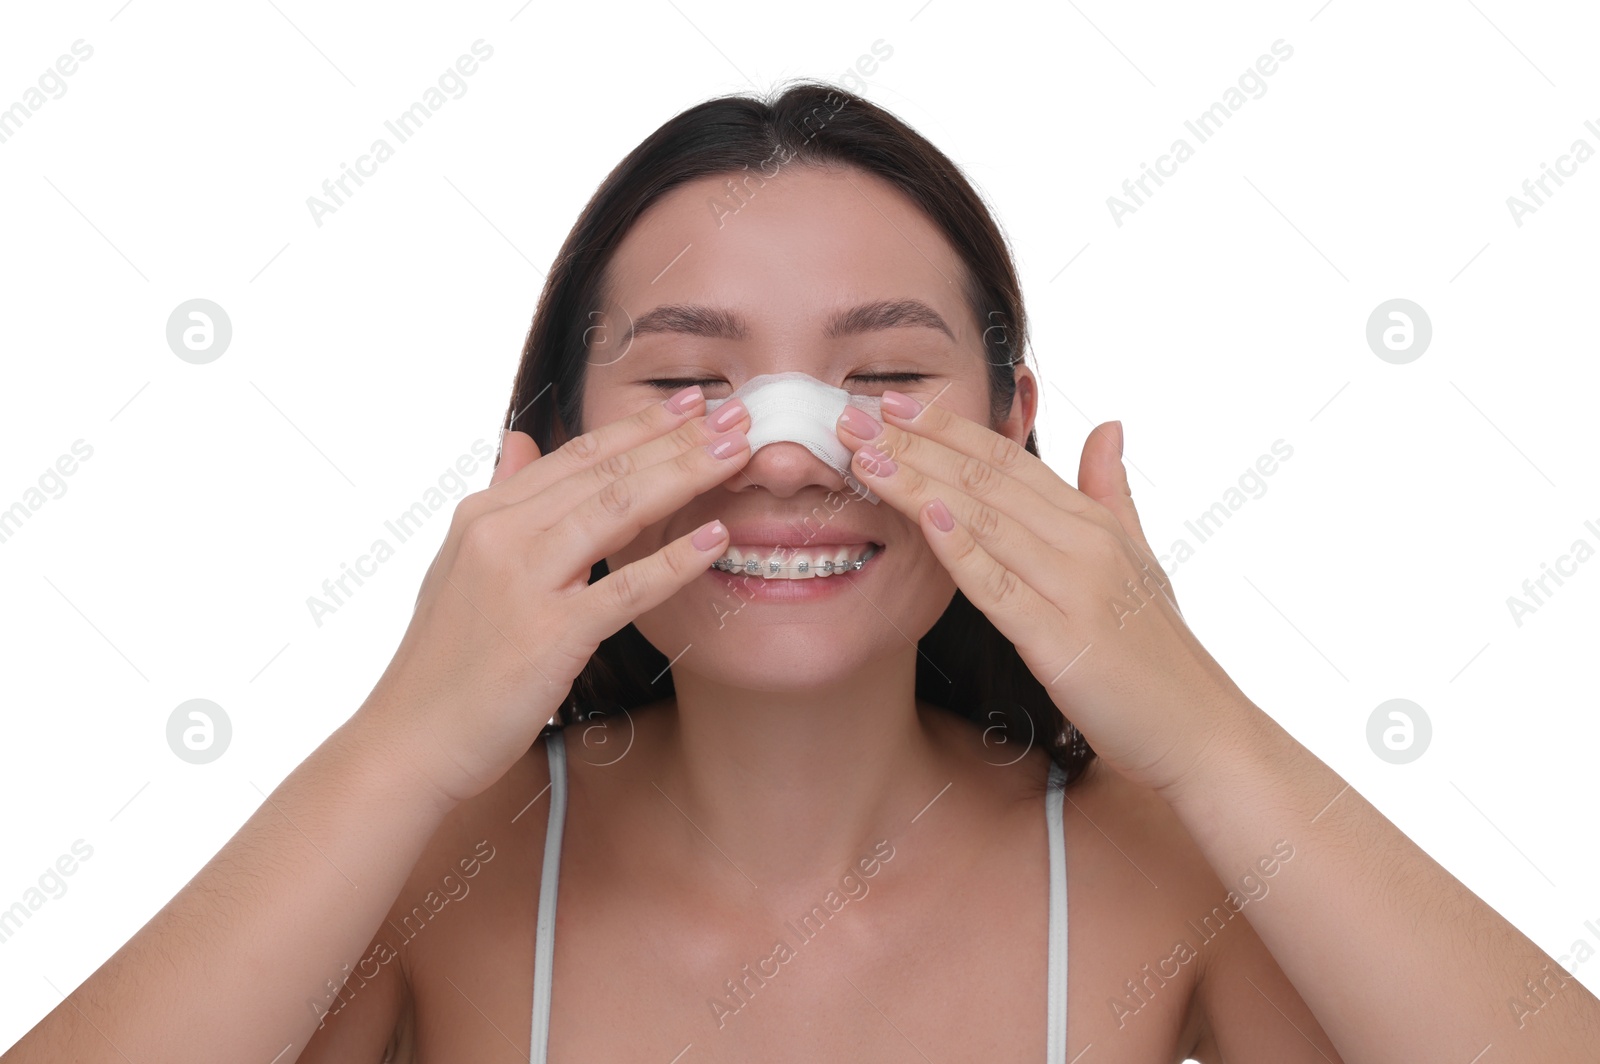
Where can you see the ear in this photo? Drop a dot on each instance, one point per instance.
(1024, 406)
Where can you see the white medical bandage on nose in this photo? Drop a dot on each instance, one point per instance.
(795, 407)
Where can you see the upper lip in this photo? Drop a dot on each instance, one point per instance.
(771, 532)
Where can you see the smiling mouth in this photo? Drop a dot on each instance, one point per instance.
(784, 563)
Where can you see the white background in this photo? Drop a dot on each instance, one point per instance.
(369, 353)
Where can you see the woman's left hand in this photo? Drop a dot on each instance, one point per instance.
(1067, 575)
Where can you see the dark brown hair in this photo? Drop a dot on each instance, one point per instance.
(964, 664)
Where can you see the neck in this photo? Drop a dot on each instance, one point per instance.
(796, 785)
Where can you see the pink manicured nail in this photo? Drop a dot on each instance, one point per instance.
(679, 402)
(726, 415)
(942, 520)
(708, 536)
(861, 423)
(876, 462)
(727, 446)
(901, 405)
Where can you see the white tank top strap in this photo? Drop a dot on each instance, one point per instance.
(1056, 988)
(550, 879)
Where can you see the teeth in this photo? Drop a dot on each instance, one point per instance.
(784, 563)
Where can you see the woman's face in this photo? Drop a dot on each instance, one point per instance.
(771, 267)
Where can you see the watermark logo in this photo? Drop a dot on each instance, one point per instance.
(604, 728)
(1009, 735)
(1399, 731)
(199, 331)
(1399, 331)
(199, 731)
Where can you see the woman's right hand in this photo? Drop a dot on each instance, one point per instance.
(506, 617)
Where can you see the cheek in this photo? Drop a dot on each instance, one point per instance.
(922, 577)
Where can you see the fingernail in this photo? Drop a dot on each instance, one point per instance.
(901, 405)
(727, 446)
(876, 462)
(942, 520)
(1117, 432)
(726, 414)
(680, 402)
(708, 536)
(860, 423)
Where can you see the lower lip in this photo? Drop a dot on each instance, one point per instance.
(751, 588)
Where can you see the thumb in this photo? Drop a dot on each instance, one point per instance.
(517, 449)
(1103, 477)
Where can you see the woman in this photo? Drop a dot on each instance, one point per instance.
(802, 819)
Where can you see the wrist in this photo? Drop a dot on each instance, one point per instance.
(375, 753)
(1238, 735)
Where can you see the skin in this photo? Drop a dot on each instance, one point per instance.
(795, 746)
(796, 742)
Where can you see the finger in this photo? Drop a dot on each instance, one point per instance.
(1017, 530)
(559, 499)
(1103, 476)
(517, 449)
(638, 587)
(941, 424)
(1021, 614)
(647, 425)
(616, 511)
(991, 479)
(613, 513)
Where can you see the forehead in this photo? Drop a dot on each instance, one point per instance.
(784, 250)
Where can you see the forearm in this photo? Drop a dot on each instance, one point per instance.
(1397, 959)
(228, 969)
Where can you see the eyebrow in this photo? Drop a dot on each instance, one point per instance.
(717, 323)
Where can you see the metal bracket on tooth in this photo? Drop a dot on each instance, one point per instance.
(753, 567)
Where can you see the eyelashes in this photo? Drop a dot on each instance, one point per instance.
(675, 383)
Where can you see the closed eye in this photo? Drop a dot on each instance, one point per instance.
(899, 378)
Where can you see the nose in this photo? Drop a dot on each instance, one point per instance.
(785, 469)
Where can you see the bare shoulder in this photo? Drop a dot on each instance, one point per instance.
(1139, 821)
(464, 923)
(484, 842)
(1136, 880)
(1148, 874)
(479, 868)
(465, 881)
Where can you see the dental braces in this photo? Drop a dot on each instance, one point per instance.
(752, 566)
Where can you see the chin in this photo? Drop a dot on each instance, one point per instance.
(775, 650)
(796, 677)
